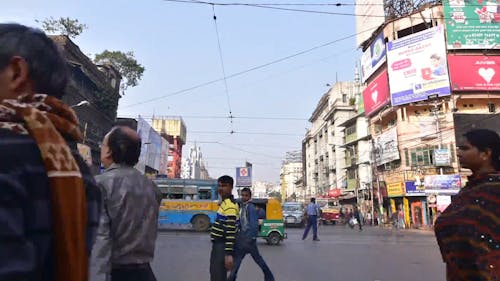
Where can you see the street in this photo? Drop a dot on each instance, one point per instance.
(343, 254)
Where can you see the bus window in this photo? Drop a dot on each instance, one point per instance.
(204, 194)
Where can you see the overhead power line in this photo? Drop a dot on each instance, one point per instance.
(186, 90)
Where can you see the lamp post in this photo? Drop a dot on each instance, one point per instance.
(82, 103)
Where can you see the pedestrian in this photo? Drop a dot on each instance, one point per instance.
(312, 211)
(401, 219)
(246, 239)
(49, 202)
(357, 215)
(129, 223)
(467, 231)
(223, 233)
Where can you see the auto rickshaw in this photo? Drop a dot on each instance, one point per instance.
(272, 227)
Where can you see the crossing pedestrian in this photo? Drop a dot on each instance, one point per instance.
(246, 240)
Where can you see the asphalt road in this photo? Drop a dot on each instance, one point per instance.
(342, 255)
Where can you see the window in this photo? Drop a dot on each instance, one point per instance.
(452, 152)
(422, 156)
(491, 107)
(350, 130)
(407, 157)
(377, 128)
(391, 123)
(344, 98)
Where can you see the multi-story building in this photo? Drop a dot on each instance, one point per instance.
(323, 146)
(99, 85)
(418, 86)
(173, 130)
(291, 172)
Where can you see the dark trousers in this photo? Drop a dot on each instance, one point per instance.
(311, 221)
(218, 270)
(246, 246)
(132, 272)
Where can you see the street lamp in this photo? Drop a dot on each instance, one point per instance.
(82, 103)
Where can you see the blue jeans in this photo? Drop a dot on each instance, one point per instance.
(311, 221)
(246, 246)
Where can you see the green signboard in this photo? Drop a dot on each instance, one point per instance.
(472, 24)
(361, 105)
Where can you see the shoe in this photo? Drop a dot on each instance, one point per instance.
(317, 239)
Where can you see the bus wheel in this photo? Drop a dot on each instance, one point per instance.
(274, 238)
(201, 223)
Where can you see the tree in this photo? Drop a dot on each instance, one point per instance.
(125, 63)
(66, 26)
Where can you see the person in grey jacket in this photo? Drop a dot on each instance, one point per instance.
(128, 228)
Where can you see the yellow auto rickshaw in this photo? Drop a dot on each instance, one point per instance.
(271, 226)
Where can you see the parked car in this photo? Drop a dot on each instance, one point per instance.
(293, 214)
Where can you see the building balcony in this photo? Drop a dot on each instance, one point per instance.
(351, 184)
(351, 138)
(351, 161)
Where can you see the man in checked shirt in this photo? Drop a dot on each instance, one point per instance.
(223, 233)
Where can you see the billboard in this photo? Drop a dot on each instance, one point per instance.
(154, 150)
(244, 176)
(370, 15)
(417, 66)
(472, 24)
(395, 189)
(373, 57)
(386, 147)
(471, 73)
(376, 94)
(442, 184)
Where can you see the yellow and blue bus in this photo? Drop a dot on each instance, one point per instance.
(188, 202)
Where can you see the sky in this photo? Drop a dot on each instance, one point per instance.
(177, 43)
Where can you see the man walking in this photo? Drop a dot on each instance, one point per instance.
(127, 233)
(49, 202)
(357, 215)
(312, 212)
(246, 240)
(223, 233)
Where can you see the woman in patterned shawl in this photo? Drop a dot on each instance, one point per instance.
(468, 231)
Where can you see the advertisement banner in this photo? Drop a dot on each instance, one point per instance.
(414, 190)
(442, 184)
(417, 66)
(373, 57)
(376, 94)
(442, 202)
(441, 157)
(386, 147)
(472, 24)
(371, 16)
(396, 189)
(244, 176)
(471, 73)
(143, 129)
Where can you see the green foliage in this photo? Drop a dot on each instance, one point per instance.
(125, 63)
(66, 26)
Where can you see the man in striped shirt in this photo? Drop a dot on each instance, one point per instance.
(223, 233)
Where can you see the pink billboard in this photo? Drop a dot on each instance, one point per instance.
(376, 94)
(471, 73)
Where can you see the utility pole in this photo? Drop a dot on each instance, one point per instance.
(438, 126)
(375, 173)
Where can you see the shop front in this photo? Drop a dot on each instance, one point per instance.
(417, 204)
(396, 193)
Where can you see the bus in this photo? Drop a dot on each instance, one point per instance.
(188, 202)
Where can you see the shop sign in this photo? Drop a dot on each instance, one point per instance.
(443, 201)
(395, 189)
(414, 190)
(441, 157)
(442, 184)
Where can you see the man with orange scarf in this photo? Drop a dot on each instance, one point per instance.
(49, 203)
